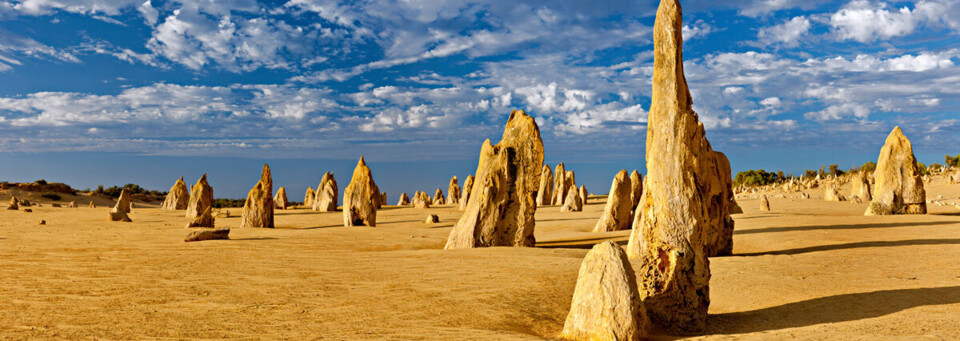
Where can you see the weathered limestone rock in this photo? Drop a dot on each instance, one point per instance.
(92, 205)
(201, 197)
(545, 191)
(123, 202)
(465, 193)
(560, 185)
(453, 192)
(831, 194)
(636, 183)
(438, 198)
(308, 197)
(606, 304)
(14, 204)
(120, 210)
(328, 194)
(501, 208)
(684, 195)
(573, 202)
(72, 204)
(204, 220)
(421, 200)
(570, 181)
(404, 200)
(616, 215)
(583, 195)
(360, 198)
(861, 186)
(764, 203)
(383, 198)
(280, 200)
(258, 209)
(208, 234)
(178, 198)
(899, 187)
(432, 219)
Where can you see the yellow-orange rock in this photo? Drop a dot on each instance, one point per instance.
(404, 200)
(438, 198)
(453, 192)
(559, 185)
(308, 197)
(545, 191)
(280, 199)
(208, 234)
(899, 184)
(861, 186)
(360, 198)
(201, 197)
(258, 209)
(328, 194)
(616, 215)
(572, 202)
(501, 208)
(204, 220)
(178, 198)
(465, 193)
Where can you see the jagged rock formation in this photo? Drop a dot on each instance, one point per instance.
(636, 183)
(831, 194)
(14, 204)
(899, 186)
(572, 202)
(360, 198)
(453, 192)
(421, 200)
(438, 198)
(258, 209)
(201, 197)
(465, 193)
(204, 220)
(328, 194)
(606, 304)
(178, 198)
(92, 205)
(308, 197)
(501, 208)
(280, 200)
(583, 195)
(764, 203)
(861, 186)
(432, 219)
(616, 215)
(120, 210)
(208, 234)
(404, 200)
(674, 227)
(559, 185)
(545, 191)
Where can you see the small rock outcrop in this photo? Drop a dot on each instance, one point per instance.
(545, 191)
(432, 219)
(465, 192)
(72, 204)
(404, 200)
(501, 209)
(360, 198)
(328, 194)
(764, 203)
(453, 192)
(559, 184)
(92, 205)
(120, 210)
(14, 204)
(572, 202)
(204, 220)
(861, 186)
(438, 198)
(201, 197)
(616, 215)
(258, 209)
(308, 197)
(606, 304)
(207, 234)
(831, 194)
(280, 200)
(178, 198)
(583, 195)
(899, 184)
(636, 183)
(421, 200)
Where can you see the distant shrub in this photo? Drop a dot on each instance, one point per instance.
(41, 182)
(870, 166)
(224, 203)
(51, 196)
(755, 177)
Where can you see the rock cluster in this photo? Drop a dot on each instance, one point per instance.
(899, 186)
(258, 209)
(683, 215)
(616, 215)
(606, 304)
(178, 198)
(421, 200)
(361, 198)
(501, 208)
(831, 194)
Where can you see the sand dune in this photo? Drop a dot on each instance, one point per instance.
(809, 269)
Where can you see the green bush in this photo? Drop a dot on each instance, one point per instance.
(868, 167)
(756, 177)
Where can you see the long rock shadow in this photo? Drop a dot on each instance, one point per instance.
(841, 227)
(587, 218)
(580, 243)
(856, 245)
(831, 309)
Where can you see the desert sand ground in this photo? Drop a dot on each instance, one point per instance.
(809, 269)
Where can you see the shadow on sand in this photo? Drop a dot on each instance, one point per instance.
(581, 243)
(856, 245)
(831, 309)
(841, 227)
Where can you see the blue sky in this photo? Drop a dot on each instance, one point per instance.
(116, 91)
